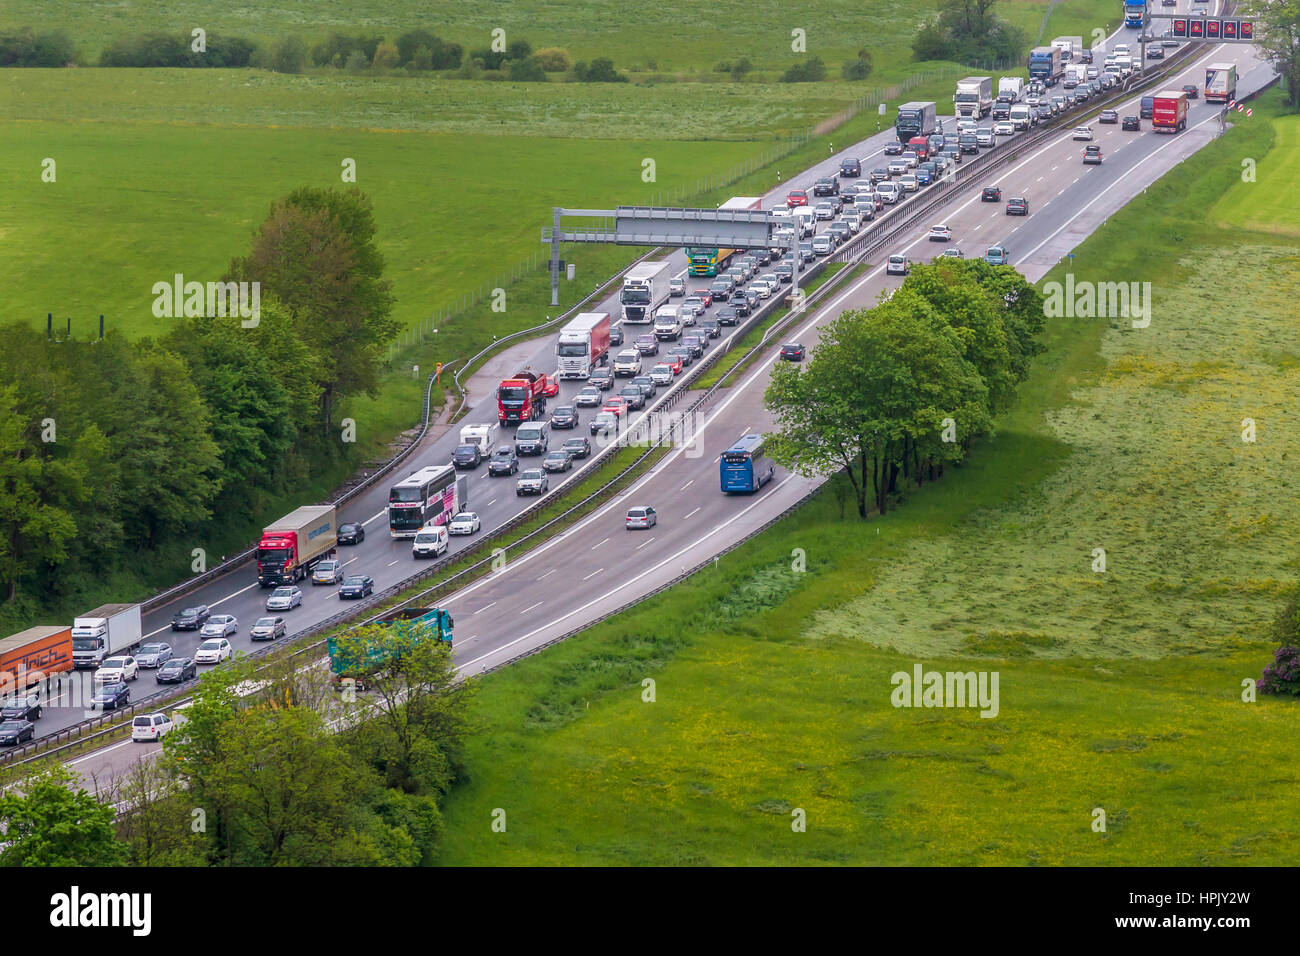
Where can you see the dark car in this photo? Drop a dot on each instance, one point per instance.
(1131, 123)
(635, 397)
(176, 670)
(686, 355)
(726, 316)
(565, 416)
(793, 352)
(647, 385)
(784, 272)
(603, 422)
(559, 460)
(467, 456)
(647, 344)
(850, 168)
(826, 187)
(695, 344)
(615, 335)
(710, 327)
(191, 618)
(503, 462)
(1155, 52)
(1018, 207)
(357, 586)
(110, 696)
(352, 532)
(22, 707)
(1146, 106)
(893, 149)
(879, 175)
(753, 298)
(602, 378)
(991, 194)
(740, 305)
(1193, 91)
(14, 732)
(577, 447)
(1108, 116)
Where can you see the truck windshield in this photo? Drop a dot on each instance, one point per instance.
(967, 97)
(271, 555)
(635, 297)
(85, 644)
(512, 394)
(572, 349)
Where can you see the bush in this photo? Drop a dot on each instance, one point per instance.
(288, 56)
(810, 70)
(518, 50)
(440, 55)
(1283, 675)
(723, 67)
(554, 59)
(25, 47)
(357, 62)
(489, 58)
(527, 70)
(859, 68)
(336, 50)
(600, 70)
(742, 67)
(386, 57)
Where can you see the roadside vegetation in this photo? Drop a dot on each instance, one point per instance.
(1127, 690)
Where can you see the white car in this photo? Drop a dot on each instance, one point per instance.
(676, 286)
(984, 137)
(909, 183)
(214, 651)
(430, 541)
(464, 522)
(115, 670)
(662, 375)
(628, 362)
(762, 288)
(897, 167)
(285, 598)
(966, 123)
(220, 625)
(888, 193)
(1082, 132)
(940, 234)
(150, 727)
(1004, 128)
(588, 397)
(897, 266)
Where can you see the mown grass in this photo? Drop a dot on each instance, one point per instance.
(1277, 174)
(1119, 691)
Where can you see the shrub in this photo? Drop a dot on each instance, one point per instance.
(357, 62)
(858, 68)
(490, 59)
(386, 57)
(25, 47)
(518, 49)
(742, 67)
(723, 67)
(1283, 675)
(527, 70)
(810, 70)
(288, 56)
(600, 70)
(440, 55)
(554, 59)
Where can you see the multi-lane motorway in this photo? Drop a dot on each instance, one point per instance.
(597, 566)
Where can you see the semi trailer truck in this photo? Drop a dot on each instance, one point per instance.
(1220, 82)
(30, 656)
(583, 344)
(1045, 64)
(974, 96)
(290, 548)
(645, 288)
(919, 118)
(103, 632)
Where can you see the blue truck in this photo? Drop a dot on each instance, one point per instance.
(1134, 14)
(421, 623)
(1046, 64)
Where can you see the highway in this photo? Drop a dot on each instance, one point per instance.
(596, 566)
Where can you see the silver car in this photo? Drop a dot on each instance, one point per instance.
(284, 599)
(532, 482)
(220, 625)
(327, 572)
(154, 655)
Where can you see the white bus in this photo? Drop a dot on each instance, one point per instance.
(430, 496)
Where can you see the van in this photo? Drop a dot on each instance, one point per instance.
(806, 217)
(668, 323)
(532, 438)
(1148, 107)
(430, 541)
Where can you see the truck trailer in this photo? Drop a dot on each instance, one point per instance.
(30, 656)
(1070, 47)
(349, 662)
(522, 397)
(103, 632)
(974, 96)
(1045, 64)
(645, 288)
(1220, 82)
(919, 118)
(1011, 88)
(583, 344)
(291, 547)
(1169, 111)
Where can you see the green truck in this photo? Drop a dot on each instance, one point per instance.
(421, 623)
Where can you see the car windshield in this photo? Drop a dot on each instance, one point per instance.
(528, 433)
(426, 538)
(10, 726)
(282, 592)
(502, 453)
(115, 662)
(265, 622)
(188, 612)
(531, 475)
(152, 649)
(466, 449)
(350, 528)
(211, 645)
(358, 581)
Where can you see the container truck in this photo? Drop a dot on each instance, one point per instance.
(1220, 82)
(1169, 111)
(915, 119)
(348, 661)
(583, 344)
(522, 397)
(974, 96)
(1045, 64)
(482, 437)
(32, 655)
(291, 548)
(1134, 13)
(645, 288)
(1011, 88)
(103, 632)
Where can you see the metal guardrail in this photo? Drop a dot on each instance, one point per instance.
(856, 251)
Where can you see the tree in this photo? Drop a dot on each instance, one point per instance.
(858, 68)
(518, 49)
(157, 820)
(741, 68)
(527, 70)
(554, 59)
(288, 55)
(1278, 38)
(357, 62)
(600, 70)
(810, 70)
(48, 823)
(386, 56)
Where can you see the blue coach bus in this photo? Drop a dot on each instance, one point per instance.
(744, 467)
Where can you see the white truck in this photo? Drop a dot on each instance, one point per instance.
(1075, 73)
(1011, 87)
(645, 288)
(668, 323)
(1220, 82)
(974, 96)
(482, 436)
(103, 632)
(1069, 47)
(583, 344)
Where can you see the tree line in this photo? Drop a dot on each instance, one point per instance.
(894, 393)
(121, 455)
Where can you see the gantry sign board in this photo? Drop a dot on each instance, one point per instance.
(672, 226)
(1213, 29)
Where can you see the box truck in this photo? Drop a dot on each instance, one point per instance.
(103, 632)
(291, 547)
(915, 119)
(1045, 64)
(974, 96)
(583, 344)
(1169, 111)
(1220, 82)
(645, 288)
(30, 656)
(1011, 88)
(356, 663)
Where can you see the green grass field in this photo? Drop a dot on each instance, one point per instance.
(1277, 175)
(1118, 691)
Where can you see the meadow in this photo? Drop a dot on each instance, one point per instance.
(1120, 691)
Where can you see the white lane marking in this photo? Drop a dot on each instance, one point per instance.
(486, 606)
(643, 544)
(687, 485)
(346, 563)
(532, 607)
(687, 516)
(490, 503)
(549, 573)
(592, 574)
(598, 544)
(374, 517)
(391, 563)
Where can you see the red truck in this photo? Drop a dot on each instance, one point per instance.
(522, 397)
(921, 145)
(291, 548)
(1169, 111)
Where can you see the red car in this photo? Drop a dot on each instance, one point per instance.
(674, 362)
(617, 405)
(552, 387)
(797, 197)
(705, 296)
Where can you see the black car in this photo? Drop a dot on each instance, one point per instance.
(1018, 207)
(710, 327)
(1131, 123)
(111, 696)
(850, 168)
(1146, 106)
(1108, 116)
(615, 335)
(23, 707)
(991, 194)
(352, 532)
(647, 385)
(577, 447)
(726, 316)
(794, 352)
(1193, 91)
(602, 378)
(647, 344)
(695, 344)
(893, 149)
(686, 355)
(191, 618)
(14, 732)
(826, 187)
(356, 586)
(176, 670)
(740, 305)
(784, 272)
(1155, 52)
(467, 456)
(565, 416)
(503, 462)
